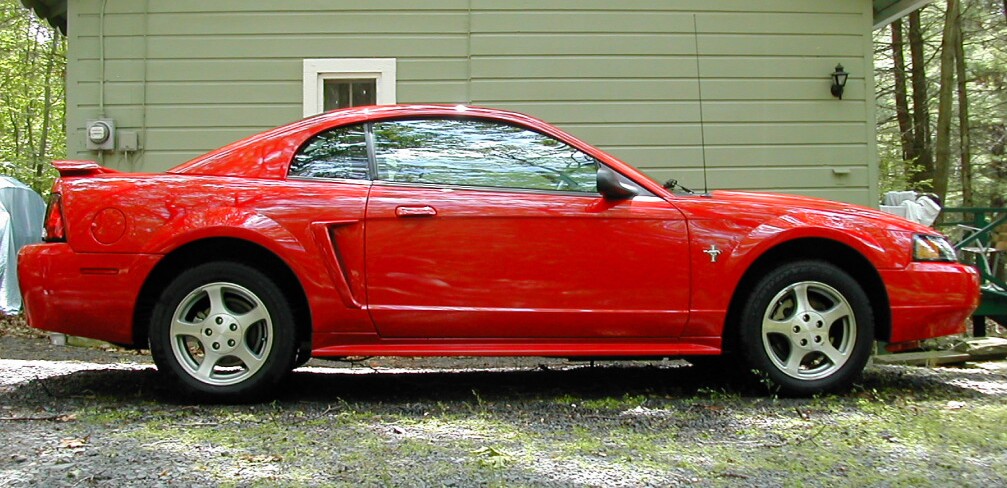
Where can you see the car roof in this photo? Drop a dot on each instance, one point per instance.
(246, 158)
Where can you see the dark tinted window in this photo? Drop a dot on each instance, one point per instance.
(479, 153)
(335, 153)
(348, 93)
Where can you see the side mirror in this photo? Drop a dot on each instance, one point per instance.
(611, 187)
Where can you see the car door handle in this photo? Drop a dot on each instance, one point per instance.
(424, 211)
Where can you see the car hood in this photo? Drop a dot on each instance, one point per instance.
(779, 204)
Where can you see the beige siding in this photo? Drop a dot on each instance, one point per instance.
(627, 81)
(194, 75)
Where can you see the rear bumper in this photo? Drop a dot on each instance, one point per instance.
(930, 299)
(87, 295)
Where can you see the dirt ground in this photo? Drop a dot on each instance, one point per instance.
(76, 416)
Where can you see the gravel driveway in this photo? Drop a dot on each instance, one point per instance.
(86, 417)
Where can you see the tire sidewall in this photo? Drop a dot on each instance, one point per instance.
(751, 341)
(280, 357)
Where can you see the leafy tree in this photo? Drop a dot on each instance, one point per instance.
(32, 101)
(957, 70)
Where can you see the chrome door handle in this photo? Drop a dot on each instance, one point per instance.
(424, 211)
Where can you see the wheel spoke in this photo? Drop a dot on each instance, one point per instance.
(210, 359)
(770, 326)
(836, 313)
(835, 355)
(255, 315)
(802, 302)
(216, 295)
(252, 361)
(793, 365)
(182, 328)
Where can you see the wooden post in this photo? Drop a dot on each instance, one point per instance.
(978, 326)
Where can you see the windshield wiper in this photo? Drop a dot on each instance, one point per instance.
(673, 183)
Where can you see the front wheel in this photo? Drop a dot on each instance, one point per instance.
(808, 328)
(225, 331)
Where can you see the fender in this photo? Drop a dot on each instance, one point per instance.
(225, 222)
(252, 227)
(818, 225)
(721, 275)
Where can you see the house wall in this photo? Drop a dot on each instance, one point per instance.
(192, 75)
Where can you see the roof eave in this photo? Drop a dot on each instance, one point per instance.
(888, 11)
(885, 11)
(52, 11)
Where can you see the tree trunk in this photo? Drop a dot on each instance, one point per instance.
(968, 200)
(944, 108)
(901, 93)
(30, 56)
(922, 177)
(43, 143)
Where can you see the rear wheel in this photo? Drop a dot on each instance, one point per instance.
(808, 328)
(224, 331)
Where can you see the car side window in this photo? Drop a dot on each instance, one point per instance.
(336, 153)
(479, 153)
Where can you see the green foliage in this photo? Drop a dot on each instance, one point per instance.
(984, 28)
(32, 101)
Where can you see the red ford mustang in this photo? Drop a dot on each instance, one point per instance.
(434, 230)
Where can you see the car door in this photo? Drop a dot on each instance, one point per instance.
(330, 174)
(480, 229)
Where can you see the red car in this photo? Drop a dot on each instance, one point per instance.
(436, 230)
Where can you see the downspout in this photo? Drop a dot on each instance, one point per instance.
(141, 151)
(101, 59)
(101, 70)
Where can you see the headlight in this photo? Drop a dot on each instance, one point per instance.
(932, 248)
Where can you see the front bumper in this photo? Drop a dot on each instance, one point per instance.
(87, 295)
(930, 299)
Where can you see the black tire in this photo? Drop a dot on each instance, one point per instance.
(232, 314)
(303, 356)
(807, 327)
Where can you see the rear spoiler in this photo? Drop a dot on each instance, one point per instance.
(80, 168)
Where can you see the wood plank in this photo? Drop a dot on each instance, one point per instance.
(785, 133)
(433, 92)
(412, 69)
(607, 112)
(595, 21)
(582, 44)
(583, 90)
(923, 358)
(781, 45)
(841, 6)
(582, 67)
(776, 180)
(202, 6)
(634, 134)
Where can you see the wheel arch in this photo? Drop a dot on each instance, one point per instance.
(828, 250)
(221, 249)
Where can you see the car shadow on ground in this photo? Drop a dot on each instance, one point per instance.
(325, 386)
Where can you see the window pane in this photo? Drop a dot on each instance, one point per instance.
(477, 153)
(336, 153)
(348, 93)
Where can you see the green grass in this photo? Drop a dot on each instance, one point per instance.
(884, 435)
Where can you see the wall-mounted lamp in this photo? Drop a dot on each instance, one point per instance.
(839, 78)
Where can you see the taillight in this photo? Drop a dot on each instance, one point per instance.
(55, 227)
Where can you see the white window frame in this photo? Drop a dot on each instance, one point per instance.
(316, 71)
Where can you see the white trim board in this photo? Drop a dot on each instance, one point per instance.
(382, 70)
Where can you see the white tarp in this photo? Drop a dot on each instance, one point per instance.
(909, 205)
(22, 212)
